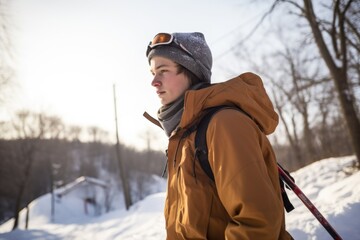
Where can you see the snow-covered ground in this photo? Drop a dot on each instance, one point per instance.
(335, 193)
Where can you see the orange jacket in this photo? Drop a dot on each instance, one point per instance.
(245, 200)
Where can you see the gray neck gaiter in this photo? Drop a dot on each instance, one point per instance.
(169, 115)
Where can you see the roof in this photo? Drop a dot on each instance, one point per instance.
(79, 181)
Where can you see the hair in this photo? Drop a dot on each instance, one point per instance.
(191, 76)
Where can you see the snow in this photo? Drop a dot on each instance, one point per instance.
(335, 194)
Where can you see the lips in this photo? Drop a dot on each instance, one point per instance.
(160, 92)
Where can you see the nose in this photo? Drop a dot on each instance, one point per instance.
(155, 82)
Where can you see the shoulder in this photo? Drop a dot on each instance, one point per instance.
(231, 124)
(232, 117)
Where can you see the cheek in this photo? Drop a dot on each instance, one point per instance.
(178, 85)
(184, 84)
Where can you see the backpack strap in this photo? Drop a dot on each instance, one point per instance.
(201, 150)
(287, 204)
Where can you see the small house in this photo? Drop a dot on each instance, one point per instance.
(92, 192)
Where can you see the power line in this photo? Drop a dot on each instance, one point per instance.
(249, 35)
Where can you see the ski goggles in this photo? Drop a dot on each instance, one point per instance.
(166, 39)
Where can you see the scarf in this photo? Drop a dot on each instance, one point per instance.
(169, 115)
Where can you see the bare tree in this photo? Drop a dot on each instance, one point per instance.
(23, 125)
(323, 132)
(302, 93)
(294, 142)
(332, 28)
(30, 128)
(6, 71)
(338, 42)
(295, 81)
(96, 134)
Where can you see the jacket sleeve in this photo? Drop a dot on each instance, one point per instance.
(245, 177)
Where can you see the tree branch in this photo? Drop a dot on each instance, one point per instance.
(252, 31)
(353, 28)
(333, 32)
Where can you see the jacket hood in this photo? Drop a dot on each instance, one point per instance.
(246, 92)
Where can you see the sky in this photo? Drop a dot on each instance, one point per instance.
(68, 55)
(333, 192)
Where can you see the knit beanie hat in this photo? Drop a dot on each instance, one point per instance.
(200, 60)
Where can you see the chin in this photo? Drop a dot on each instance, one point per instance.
(164, 102)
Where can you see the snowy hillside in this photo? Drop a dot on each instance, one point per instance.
(334, 193)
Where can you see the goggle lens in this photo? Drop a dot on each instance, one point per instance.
(161, 39)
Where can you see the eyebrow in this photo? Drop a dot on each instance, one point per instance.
(162, 65)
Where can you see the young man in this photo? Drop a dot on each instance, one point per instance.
(244, 201)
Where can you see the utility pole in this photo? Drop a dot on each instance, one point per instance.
(124, 180)
(52, 186)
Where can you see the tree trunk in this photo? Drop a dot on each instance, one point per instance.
(18, 206)
(27, 217)
(347, 106)
(308, 137)
(28, 157)
(294, 143)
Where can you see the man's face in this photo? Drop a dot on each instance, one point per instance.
(169, 84)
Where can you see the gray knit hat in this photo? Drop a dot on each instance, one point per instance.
(200, 60)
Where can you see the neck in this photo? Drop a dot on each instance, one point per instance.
(170, 115)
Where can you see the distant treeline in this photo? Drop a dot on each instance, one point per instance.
(41, 153)
(30, 167)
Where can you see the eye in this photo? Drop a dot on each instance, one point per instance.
(162, 71)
